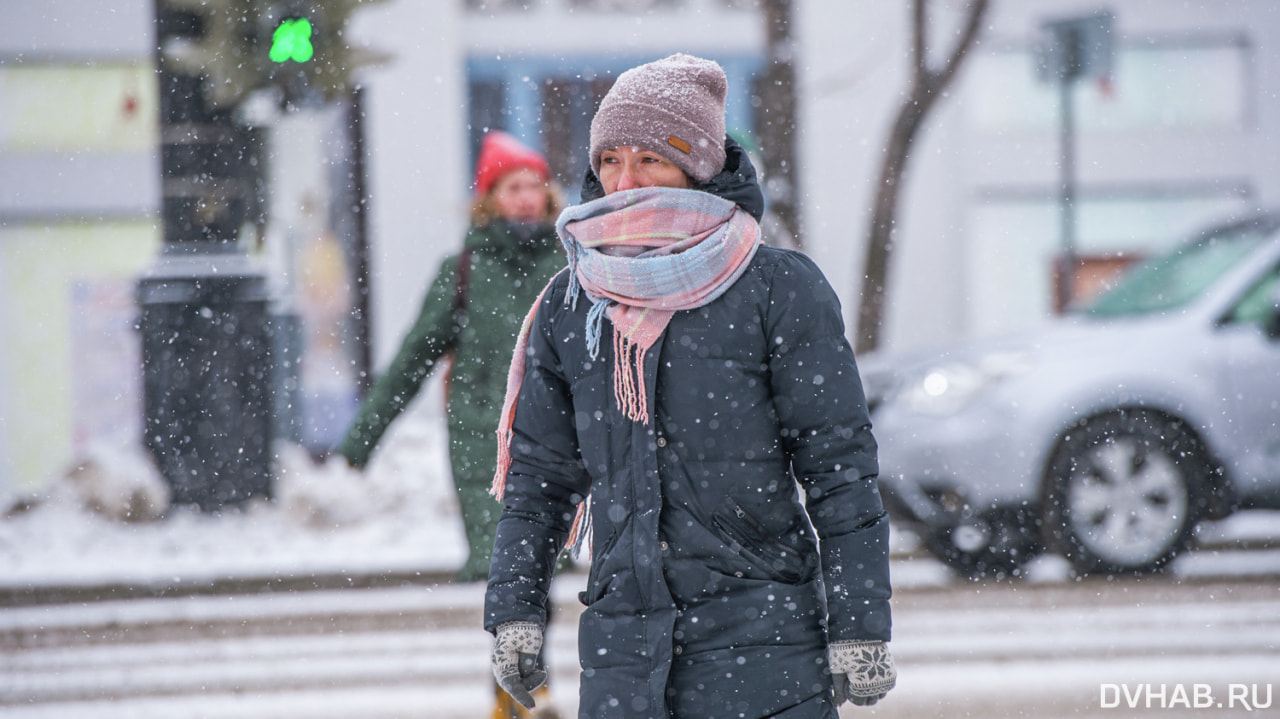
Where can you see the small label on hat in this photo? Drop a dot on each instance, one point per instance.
(679, 144)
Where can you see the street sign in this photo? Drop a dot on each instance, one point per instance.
(1074, 48)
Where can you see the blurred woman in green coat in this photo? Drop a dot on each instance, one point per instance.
(469, 321)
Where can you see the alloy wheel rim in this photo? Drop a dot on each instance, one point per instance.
(1126, 501)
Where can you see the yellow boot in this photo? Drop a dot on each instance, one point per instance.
(504, 707)
(507, 708)
(543, 707)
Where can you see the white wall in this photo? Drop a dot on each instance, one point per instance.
(848, 69)
(79, 186)
(854, 61)
(852, 72)
(415, 128)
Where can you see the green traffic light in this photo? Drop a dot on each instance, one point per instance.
(292, 41)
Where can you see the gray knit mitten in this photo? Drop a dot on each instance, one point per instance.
(862, 672)
(516, 665)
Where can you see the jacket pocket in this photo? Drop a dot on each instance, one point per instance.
(749, 539)
(597, 582)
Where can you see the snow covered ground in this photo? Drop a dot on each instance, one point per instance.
(964, 651)
(398, 517)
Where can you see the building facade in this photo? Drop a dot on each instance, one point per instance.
(1182, 133)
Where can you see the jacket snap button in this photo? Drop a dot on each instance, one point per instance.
(663, 545)
(738, 575)
(662, 441)
(677, 650)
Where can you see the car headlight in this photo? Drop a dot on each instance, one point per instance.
(946, 388)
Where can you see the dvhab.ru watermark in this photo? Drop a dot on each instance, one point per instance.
(1245, 697)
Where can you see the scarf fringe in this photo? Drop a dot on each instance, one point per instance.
(499, 487)
(580, 532)
(595, 323)
(515, 376)
(628, 378)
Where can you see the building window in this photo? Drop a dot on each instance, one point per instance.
(625, 5)
(501, 5)
(1172, 84)
(549, 102)
(486, 111)
(568, 104)
(1014, 245)
(621, 6)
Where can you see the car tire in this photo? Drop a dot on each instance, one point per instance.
(993, 544)
(1124, 492)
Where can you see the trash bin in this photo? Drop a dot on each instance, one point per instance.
(207, 376)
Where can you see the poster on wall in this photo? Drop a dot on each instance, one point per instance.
(106, 395)
(314, 240)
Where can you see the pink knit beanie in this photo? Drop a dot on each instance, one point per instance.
(674, 107)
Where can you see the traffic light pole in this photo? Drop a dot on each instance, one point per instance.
(203, 303)
(1071, 49)
(1067, 176)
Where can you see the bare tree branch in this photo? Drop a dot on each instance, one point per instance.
(926, 87)
(968, 38)
(919, 44)
(776, 125)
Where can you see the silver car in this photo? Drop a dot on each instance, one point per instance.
(1104, 436)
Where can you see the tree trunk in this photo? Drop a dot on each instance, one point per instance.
(776, 121)
(880, 238)
(926, 87)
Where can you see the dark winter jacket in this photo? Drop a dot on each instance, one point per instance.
(707, 594)
(504, 277)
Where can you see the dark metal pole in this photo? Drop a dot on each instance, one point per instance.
(1068, 200)
(363, 310)
(1067, 169)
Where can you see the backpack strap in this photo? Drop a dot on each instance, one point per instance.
(461, 282)
(463, 278)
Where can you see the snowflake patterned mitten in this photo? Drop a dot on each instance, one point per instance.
(862, 672)
(516, 665)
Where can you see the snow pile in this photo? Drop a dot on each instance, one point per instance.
(108, 519)
(119, 483)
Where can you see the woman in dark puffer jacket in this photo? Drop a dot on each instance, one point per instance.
(681, 377)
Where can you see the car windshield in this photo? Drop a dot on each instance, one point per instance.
(1173, 280)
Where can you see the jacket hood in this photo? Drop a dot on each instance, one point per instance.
(737, 182)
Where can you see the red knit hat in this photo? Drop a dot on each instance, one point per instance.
(501, 153)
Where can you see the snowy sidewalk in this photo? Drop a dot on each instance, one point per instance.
(328, 527)
(396, 524)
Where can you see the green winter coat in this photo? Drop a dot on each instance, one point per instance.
(504, 278)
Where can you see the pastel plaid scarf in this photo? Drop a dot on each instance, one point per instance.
(641, 256)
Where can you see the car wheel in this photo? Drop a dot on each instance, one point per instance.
(1123, 493)
(993, 544)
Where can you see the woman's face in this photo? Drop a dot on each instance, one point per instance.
(521, 196)
(626, 168)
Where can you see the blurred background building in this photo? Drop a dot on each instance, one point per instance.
(354, 221)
